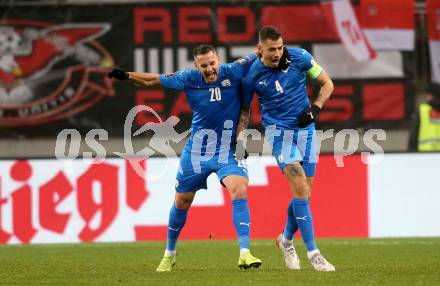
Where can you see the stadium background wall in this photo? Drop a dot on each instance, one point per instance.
(63, 56)
(74, 93)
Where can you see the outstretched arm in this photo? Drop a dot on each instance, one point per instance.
(144, 79)
(173, 81)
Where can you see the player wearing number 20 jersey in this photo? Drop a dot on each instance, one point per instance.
(216, 108)
(213, 103)
(214, 95)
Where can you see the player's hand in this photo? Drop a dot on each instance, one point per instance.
(118, 74)
(309, 116)
(240, 151)
(284, 62)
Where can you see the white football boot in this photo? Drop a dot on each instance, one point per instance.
(320, 263)
(290, 256)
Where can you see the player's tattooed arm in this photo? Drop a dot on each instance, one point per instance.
(243, 121)
(326, 88)
(144, 79)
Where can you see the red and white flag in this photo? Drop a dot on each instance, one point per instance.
(389, 25)
(433, 19)
(341, 16)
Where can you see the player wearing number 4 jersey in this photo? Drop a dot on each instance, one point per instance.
(214, 94)
(279, 80)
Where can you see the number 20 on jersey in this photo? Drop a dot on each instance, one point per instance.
(216, 94)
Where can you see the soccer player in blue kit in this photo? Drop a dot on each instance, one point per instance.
(279, 80)
(214, 93)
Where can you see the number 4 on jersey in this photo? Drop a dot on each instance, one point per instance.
(278, 87)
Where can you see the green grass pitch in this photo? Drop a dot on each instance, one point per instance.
(357, 261)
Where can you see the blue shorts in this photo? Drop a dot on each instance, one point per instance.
(192, 174)
(296, 145)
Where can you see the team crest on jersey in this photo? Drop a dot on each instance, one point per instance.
(242, 61)
(226, 82)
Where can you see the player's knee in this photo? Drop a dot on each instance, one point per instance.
(300, 189)
(301, 192)
(183, 202)
(239, 191)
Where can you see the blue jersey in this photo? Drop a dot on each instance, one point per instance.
(282, 94)
(213, 103)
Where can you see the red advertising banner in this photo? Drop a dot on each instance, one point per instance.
(60, 201)
(433, 21)
(76, 201)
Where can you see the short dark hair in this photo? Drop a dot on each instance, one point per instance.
(269, 32)
(203, 50)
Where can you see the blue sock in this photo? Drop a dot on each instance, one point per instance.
(304, 219)
(241, 219)
(175, 224)
(291, 224)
